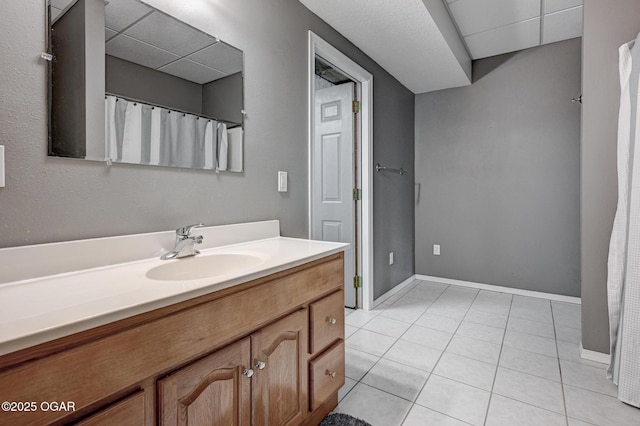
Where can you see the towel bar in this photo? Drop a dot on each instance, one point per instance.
(380, 168)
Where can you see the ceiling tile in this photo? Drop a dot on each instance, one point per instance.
(119, 14)
(55, 12)
(473, 16)
(169, 34)
(562, 25)
(192, 71)
(551, 6)
(133, 50)
(109, 34)
(510, 38)
(221, 57)
(61, 4)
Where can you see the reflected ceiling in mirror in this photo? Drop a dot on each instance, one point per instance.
(173, 94)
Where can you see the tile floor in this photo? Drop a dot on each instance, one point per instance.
(435, 354)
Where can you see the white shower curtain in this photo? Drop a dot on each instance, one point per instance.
(144, 134)
(623, 281)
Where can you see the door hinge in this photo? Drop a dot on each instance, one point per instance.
(357, 281)
(356, 107)
(357, 194)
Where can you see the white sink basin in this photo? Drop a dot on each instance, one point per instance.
(204, 266)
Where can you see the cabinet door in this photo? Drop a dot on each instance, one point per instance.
(211, 391)
(129, 411)
(280, 379)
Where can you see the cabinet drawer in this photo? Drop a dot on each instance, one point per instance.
(326, 375)
(127, 412)
(326, 321)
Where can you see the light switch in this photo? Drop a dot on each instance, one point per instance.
(1, 166)
(282, 181)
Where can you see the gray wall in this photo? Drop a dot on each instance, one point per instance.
(53, 199)
(607, 25)
(499, 168)
(222, 98)
(135, 81)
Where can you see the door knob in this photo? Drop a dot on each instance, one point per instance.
(332, 320)
(247, 372)
(331, 374)
(260, 365)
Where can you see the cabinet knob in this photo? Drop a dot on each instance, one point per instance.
(247, 372)
(331, 320)
(260, 365)
(331, 374)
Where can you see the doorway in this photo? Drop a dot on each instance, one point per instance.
(340, 149)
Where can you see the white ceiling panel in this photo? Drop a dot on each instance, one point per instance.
(192, 71)
(416, 42)
(505, 39)
(61, 4)
(136, 51)
(474, 16)
(122, 13)
(169, 34)
(551, 6)
(220, 57)
(109, 34)
(562, 25)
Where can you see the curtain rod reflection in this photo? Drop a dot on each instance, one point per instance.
(230, 124)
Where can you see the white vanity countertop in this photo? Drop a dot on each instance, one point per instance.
(38, 310)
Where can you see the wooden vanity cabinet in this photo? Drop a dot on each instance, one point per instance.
(259, 380)
(239, 356)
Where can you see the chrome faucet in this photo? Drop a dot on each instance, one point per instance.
(185, 243)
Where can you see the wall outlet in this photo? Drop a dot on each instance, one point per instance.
(436, 249)
(390, 258)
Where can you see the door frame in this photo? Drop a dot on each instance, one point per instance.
(318, 46)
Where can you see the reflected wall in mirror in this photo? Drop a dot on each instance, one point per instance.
(165, 93)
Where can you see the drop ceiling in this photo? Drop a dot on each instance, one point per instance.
(412, 39)
(140, 34)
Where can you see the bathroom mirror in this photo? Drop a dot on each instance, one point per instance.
(165, 93)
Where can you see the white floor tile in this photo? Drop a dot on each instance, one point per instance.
(348, 311)
(349, 330)
(458, 312)
(530, 363)
(537, 328)
(476, 349)
(571, 352)
(567, 314)
(531, 343)
(387, 326)
(529, 389)
(481, 332)
(568, 334)
(599, 409)
(575, 422)
(370, 342)
(413, 355)
(360, 318)
(438, 322)
(344, 390)
(397, 379)
(400, 312)
(454, 399)
(531, 308)
(507, 412)
(492, 319)
(421, 416)
(425, 292)
(466, 370)
(427, 337)
(374, 406)
(358, 363)
(586, 377)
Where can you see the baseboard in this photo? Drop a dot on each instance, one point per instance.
(594, 356)
(393, 291)
(491, 287)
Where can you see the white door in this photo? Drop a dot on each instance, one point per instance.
(333, 208)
